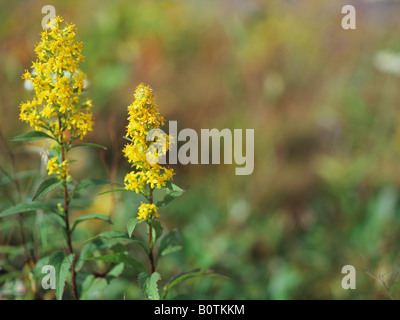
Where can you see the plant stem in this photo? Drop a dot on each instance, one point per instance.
(151, 256)
(67, 228)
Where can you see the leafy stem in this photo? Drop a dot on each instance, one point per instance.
(68, 231)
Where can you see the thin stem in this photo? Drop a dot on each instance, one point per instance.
(67, 227)
(151, 256)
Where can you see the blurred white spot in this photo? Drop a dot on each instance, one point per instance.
(239, 211)
(86, 84)
(388, 62)
(44, 154)
(28, 85)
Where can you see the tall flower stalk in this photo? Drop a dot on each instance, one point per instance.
(57, 109)
(146, 175)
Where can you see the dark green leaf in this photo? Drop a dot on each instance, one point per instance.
(132, 224)
(33, 135)
(89, 183)
(92, 216)
(114, 237)
(61, 264)
(129, 139)
(114, 190)
(172, 192)
(170, 243)
(24, 207)
(157, 230)
(184, 276)
(92, 284)
(45, 187)
(120, 257)
(18, 176)
(148, 285)
(93, 145)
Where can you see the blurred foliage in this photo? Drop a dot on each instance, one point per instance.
(325, 189)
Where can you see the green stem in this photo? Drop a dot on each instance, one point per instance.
(151, 256)
(67, 225)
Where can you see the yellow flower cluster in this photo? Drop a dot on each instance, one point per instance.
(147, 211)
(61, 170)
(143, 117)
(58, 83)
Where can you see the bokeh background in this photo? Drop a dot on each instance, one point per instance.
(324, 103)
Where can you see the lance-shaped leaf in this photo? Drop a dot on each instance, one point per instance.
(92, 145)
(115, 237)
(120, 257)
(170, 243)
(92, 216)
(148, 285)
(61, 264)
(92, 284)
(157, 230)
(188, 275)
(172, 192)
(45, 187)
(114, 190)
(24, 207)
(18, 176)
(132, 224)
(89, 183)
(31, 136)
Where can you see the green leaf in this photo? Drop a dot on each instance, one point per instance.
(93, 145)
(115, 237)
(120, 257)
(107, 240)
(173, 191)
(132, 224)
(188, 275)
(170, 243)
(61, 264)
(33, 135)
(157, 230)
(114, 190)
(18, 176)
(93, 285)
(89, 183)
(148, 285)
(57, 219)
(92, 216)
(112, 235)
(127, 138)
(45, 187)
(24, 207)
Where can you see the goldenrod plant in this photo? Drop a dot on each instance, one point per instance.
(58, 112)
(146, 146)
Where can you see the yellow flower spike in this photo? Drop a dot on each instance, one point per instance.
(143, 117)
(58, 84)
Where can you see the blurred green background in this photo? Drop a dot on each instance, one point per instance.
(324, 105)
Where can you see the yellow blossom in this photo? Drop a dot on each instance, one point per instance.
(143, 117)
(58, 82)
(61, 170)
(147, 211)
